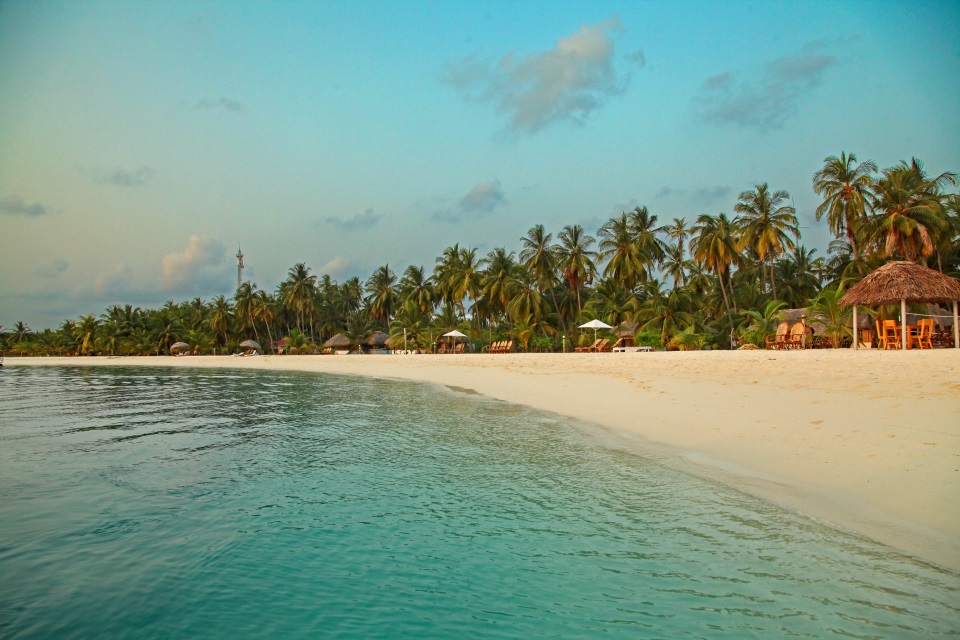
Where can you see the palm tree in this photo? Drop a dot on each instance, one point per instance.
(499, 267)
(758, 325)
(715, 247)
(221, 313)
(382, 293)
(575, 258)
(298, 292)
(625, 262)
(418, 287)
(85, 333)
(464, 280)
(644, 229)
(768, 224)
(678, 231)
(244, 303)
(666, 312)
(262, 308)
(826, 309)
(538, 256)
(846, 189)
(910, 211)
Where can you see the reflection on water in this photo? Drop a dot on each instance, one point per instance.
(153, 503)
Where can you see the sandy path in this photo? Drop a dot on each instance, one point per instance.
(869, 441)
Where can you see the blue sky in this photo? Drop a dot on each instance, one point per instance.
(141, 142)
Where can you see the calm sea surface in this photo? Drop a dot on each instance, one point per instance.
(150, 503)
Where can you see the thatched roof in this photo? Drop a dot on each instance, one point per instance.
(338, 341)
(377, 339)
(896, 281)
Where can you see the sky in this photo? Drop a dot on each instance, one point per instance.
(142, 142)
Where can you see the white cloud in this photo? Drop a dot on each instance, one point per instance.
(483, 198)
(201, 264)
(567, 82)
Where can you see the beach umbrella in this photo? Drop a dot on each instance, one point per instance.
(178, 347)
(250, 344)
(595, 324)
(454, 335)
(903, 282)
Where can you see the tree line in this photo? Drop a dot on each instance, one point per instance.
(716, 279)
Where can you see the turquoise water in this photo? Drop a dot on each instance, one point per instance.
(150, 503)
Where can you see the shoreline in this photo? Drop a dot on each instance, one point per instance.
(866, 441)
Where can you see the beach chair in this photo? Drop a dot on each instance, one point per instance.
(796, 338)
(600, 346)
(778, 339)
(605, 347)
(923, 338)
(890, 334)
(460, 348)
(507, 348)
(590, 347)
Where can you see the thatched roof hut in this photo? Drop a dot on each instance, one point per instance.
(897, 281)
(338, 341)
(904, 282)
(377, 339)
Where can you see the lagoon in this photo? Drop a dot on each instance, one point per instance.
(152, 503)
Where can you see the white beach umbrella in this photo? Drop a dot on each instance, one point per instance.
(454, 334)
(595, 324)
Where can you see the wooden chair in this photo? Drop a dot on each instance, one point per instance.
(508, 347)
(778, 340)
(890, 334)
(592, 347)
(923, 338)
(795, 339)
(600, 346)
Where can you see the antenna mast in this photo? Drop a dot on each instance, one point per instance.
(239, 267)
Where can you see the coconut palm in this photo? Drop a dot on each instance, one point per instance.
(625, 262)
(221, 315)
(667, 312)
(846, 189)
(262, 307)
(382, 293)
(417, 287)
(85, 333)
(714, 246)
(538, 256)
(298, 291)
(575, 258)
(643, 225)
(678, 231)
(910, 211)
(757, 325)
(767, 224)
(244, 303)
(499, 268)
(825, 308)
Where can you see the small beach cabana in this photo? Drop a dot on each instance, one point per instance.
(178, 348)
(903, 282)
(377, 340)
(338, 342)
(251, 345)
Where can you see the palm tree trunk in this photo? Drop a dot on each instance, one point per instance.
(726, 303)
(773, 284)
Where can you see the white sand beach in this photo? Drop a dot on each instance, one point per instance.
(868, 441)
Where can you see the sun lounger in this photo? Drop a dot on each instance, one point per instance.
(591, 347)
